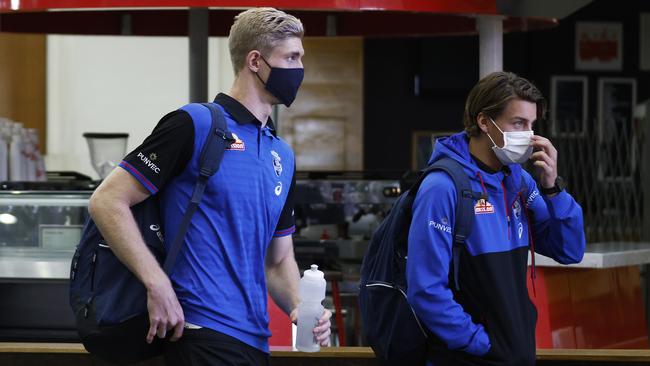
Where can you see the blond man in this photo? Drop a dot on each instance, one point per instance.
(239, 244)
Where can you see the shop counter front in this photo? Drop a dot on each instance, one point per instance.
(593, 304)
(73, 354)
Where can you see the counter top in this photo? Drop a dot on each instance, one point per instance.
(42, 264)
(605, 255)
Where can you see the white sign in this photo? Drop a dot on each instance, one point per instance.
(599, 46)
(59, 237)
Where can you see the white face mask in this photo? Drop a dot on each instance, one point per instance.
(516, 146)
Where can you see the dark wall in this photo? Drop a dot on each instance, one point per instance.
(392, 110)
(447, 67)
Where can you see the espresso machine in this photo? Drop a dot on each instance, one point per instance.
(337, 213)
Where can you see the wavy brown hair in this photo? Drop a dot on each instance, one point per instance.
(492, 94)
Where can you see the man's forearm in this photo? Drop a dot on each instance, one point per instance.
(282, 279)
(117, 225)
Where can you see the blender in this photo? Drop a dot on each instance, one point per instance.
(106, 150)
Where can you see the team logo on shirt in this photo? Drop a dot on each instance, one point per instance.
(483, 207)
(278, 189)
(149, 162)
(277, 166)
(532, 197)
(444, 227)
(156, 229)
(238, 145)
(153, 156)
(516, 209)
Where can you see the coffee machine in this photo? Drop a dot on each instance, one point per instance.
(337, 213)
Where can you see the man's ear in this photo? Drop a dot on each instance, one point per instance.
(253, 59)
(482, 121)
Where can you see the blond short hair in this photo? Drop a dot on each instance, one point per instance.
(260, 29)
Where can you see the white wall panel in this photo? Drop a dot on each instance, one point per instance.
(117, 84)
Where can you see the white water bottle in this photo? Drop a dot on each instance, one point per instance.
(312, 294)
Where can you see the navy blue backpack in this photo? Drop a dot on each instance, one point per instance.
(109, 302)
(389, 323)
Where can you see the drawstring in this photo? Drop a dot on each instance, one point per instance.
(531, 245)
(480, 178)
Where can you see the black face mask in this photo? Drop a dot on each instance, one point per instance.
(283, 83)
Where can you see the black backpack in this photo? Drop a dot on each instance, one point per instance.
(109, 302)
(389, 323)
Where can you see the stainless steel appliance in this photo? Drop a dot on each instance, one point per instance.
(343, 208)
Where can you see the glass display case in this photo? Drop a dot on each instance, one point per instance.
(39, 231)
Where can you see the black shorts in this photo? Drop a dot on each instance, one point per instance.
(203, 347)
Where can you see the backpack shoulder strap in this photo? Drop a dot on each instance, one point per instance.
(216, 143)
(464, 207)
(464, 198)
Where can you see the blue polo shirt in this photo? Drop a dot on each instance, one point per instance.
(219, 276)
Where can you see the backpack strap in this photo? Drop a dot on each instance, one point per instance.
(212, 153)
(465, 198)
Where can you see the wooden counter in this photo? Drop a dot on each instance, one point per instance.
(594, 304)
(73, 354)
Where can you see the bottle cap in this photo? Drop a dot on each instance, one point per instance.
(314, 273)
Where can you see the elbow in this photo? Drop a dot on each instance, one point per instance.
(94, 204)
(273, 263)
(572, 259)
(581, 242)
(576, 254)
(574, 240)
(277, 261)
(102, 202)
